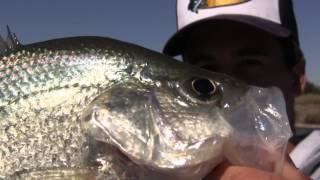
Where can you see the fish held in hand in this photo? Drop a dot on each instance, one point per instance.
(86, 107)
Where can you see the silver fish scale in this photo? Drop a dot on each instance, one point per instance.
(195, 125)
(42, 95)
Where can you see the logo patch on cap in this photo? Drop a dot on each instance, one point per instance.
(195, 5)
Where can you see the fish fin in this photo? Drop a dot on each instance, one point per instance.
(10, 43)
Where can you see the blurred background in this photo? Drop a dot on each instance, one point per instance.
(149, 24)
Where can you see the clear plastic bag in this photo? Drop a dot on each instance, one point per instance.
(261, 139)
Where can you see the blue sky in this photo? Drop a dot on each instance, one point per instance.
(148, 23)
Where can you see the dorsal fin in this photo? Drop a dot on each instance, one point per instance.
(10, 43)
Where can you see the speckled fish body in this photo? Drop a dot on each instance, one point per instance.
(83, 107)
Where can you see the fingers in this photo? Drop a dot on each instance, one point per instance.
(291, 172)
(226, 171)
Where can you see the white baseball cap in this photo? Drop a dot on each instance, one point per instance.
(273, 16)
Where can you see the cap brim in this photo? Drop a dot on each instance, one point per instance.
(174, 44)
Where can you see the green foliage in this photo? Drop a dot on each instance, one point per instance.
(307, 105)
(307, 109)
(311, 88)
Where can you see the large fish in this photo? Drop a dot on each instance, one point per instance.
(98, 108)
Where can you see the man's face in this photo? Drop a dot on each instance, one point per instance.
(243, 52)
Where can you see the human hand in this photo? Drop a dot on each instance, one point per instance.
(226, 171)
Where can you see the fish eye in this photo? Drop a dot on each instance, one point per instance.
(203, 87)
(201, 90)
